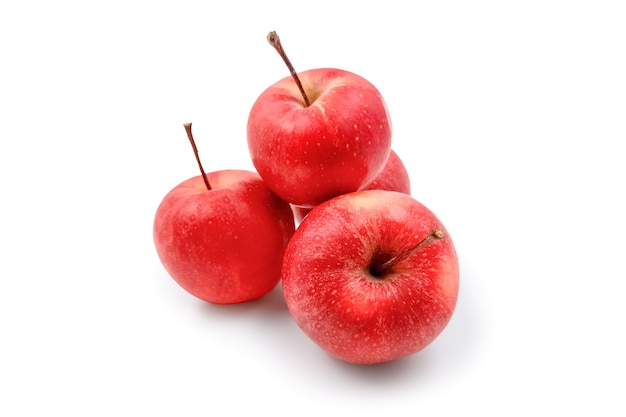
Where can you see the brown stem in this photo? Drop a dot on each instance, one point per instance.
(195, 151)
(380, 270)
(274, 40)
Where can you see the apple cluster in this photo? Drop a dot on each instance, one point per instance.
(368, 273)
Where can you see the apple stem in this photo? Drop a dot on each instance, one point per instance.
(274, 40)
(195, 151)
(380, 270)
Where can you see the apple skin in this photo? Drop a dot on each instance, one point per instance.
(339, 303)
(223, 245)
(393, 177)
(340, 142)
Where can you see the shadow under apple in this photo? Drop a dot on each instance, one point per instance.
(272, 304)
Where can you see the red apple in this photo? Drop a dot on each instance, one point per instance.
(371, 276)
(393, 177)
(222, 235)
(319, 134)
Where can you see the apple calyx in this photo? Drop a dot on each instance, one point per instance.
(195, 151)
(379, 270)
(274, 40)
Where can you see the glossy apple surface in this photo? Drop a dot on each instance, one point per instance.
(223, 245)
(393, 177)
(309, 154)
(337, 294)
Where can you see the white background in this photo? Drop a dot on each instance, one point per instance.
(510, 117)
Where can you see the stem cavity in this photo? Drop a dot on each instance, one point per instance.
(382, 269)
